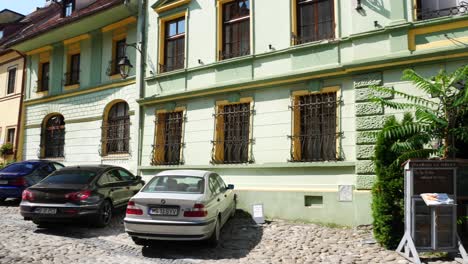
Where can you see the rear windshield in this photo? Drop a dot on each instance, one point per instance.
(176, 184)
(23, 167)
(70, 177)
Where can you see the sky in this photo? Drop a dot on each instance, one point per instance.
(21, 6)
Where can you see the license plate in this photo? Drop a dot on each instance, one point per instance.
(3, 182)
(45, 210)
(164, 211)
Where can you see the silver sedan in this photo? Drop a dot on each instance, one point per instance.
(180, 205)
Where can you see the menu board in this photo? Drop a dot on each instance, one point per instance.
(433, 181)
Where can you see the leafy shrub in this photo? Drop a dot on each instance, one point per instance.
(6, 149)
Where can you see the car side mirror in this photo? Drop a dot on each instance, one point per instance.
(230, 187)
(139, 179)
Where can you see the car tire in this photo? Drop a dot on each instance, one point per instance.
(42, 224)
(104, 215)
(233, 212)
(140, 241)
(213, 240)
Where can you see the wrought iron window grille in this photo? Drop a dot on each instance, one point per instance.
(235, 147)
(177, 64)
(53, 138)
(116, 138)
(317, 139)
(170, 150)
(427, 13)
(72, 78)
(42, 85)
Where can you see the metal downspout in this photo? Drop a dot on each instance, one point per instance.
(140, 76)
(21, 119)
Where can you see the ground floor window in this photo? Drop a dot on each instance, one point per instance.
(314, 127)
(53, 137)
(233, 133)
(116, 130)
(167, 149)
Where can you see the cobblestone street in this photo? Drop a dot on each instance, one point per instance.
(243, 242)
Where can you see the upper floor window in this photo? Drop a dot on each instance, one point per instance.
(116, 130)
(68, 7)
(235, 29)
(427, 9)
(11, 80)
(174, 45)
(314, 21)
(233, 134)
(73, 75)
(43, 82)
(314, 127)
(53, 137)
(119, 53)
(168, 143)
(11, 135)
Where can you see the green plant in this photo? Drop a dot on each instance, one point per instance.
(388, 191)
(438, 120)
(6, 149)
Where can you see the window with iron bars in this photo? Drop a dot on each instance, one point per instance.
(233, 140)
(427, 9)
(54, 137)
(167, 149)
(174, 45)
(116, 130)
(315, 127)
(236, 29)
(315, 21)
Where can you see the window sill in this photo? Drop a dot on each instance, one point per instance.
(116, 157)
(71, 87)
(42, 93)
(330, 164)
(115, 76)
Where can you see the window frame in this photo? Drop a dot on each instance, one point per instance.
(162, 38)
(105, 129)
(65, 7)
(118, 35)
(73, 50)
(13, 83)
(295, 26)
(40, 81)
(417, 12)
(159, 149)
(220, 29)
(217, 155)
(7, 135)
(296, 155)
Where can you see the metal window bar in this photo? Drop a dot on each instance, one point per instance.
(237, 139)
(429, 13)
(177, 62)
(72, 77)
(43, 84)
(318, 133)
(320, 24)
(173, 126)
(117, 135)
(54, 138)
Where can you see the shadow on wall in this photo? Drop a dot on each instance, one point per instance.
(239, 236)
(377, 6)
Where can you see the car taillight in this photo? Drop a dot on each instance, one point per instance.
(27, 195)
(20, 181)
(78, 196)
(198, 210)
(132, 209)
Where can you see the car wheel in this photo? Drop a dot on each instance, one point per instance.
(104, 214)
(140, 241)
(214, 238)
(234, 208)
(42, 224)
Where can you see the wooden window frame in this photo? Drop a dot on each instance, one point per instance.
(72, 50)
(296, 155)
(65, 6)
(9, 70)
(40, 79)
(105, 126)
(220, 29)
(7, 130)
(159, 147)
(295, 26)
(118, 35)
(217, 156)
(162, 37)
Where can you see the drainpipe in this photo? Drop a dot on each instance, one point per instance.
(141, 40)
(20, 124)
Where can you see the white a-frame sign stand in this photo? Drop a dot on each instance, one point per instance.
(430, 228)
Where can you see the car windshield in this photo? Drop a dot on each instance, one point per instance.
(176, 184)
(70, 177)
(26, 167)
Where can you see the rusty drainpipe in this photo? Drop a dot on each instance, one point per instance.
(20, 125)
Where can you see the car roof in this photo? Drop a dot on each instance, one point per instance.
(95, 168)
(196, 173)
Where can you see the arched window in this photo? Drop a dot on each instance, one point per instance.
(116, 130)
(54, 136)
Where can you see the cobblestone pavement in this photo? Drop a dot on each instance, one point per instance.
(243, 242)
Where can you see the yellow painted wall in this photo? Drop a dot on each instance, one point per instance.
(9, 104)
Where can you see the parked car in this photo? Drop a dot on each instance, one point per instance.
(180, 205)
(16, 177)
(80, 192)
